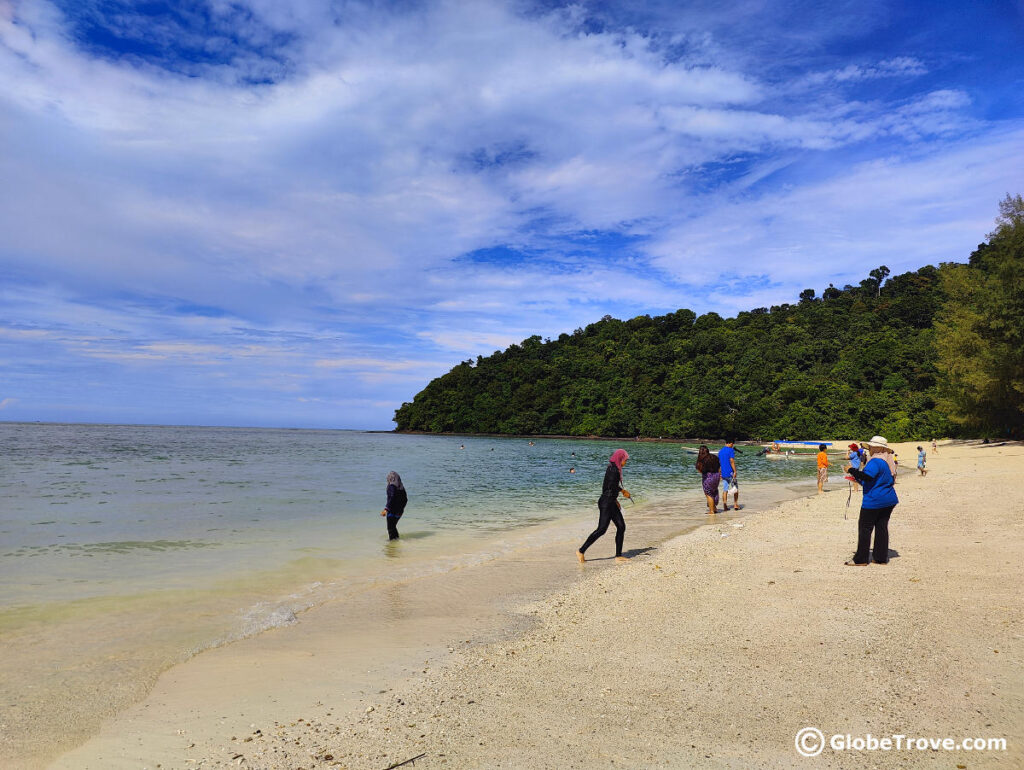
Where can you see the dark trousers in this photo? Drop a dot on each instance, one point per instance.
(609, 512)
(393, 527)
(876, 519)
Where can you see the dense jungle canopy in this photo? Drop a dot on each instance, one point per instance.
(936, 352)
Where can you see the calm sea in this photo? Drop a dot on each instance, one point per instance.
(125, 549)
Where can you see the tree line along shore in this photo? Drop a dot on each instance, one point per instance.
(934, 352)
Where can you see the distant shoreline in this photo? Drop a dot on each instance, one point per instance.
(838, 446)
(634, 440)
(559, 436)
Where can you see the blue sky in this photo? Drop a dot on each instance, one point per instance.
(260, 212)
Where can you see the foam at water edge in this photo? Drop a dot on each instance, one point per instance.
(268, 615)
(254, 621)
(263, 617)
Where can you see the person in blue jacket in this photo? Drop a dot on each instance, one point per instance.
(879, 499)
(395, 506)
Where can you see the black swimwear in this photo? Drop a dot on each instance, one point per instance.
(608, 510)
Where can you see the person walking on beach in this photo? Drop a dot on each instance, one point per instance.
(822, 467)
(710, 471)
(935, 447)
(609, 510)
(395, 505)
(727, 461)
(922, 459)
(879, 500)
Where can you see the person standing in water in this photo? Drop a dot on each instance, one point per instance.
(822, 466)
(395, 506)
(727, 461)
(609, 510)
(710, 471)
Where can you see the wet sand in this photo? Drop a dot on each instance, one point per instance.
(343, 653)
(711, 649)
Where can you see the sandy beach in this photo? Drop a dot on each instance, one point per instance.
(712, 649)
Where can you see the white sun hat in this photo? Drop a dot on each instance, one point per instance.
(879, 442)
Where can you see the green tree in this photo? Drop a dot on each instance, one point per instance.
(878, 275)
(792, 370)
(980, 331)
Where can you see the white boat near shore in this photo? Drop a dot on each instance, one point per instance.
(798, 450)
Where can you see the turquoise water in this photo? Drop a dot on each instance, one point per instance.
(97, 510)
(126, 549)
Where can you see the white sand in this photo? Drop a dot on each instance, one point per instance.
(712, 650)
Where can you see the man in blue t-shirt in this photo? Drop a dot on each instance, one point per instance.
(727, 459)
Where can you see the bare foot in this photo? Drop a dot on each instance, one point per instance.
(621, 558)
(581, 557)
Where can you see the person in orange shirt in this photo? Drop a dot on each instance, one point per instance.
(822, 467)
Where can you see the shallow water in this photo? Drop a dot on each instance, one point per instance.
(124, 550)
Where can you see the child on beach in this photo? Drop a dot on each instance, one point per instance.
(395, 505)
(609, 510)
(822, 467)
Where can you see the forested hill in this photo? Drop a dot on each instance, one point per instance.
(856, 361)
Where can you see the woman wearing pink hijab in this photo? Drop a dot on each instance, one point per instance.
(608, 506)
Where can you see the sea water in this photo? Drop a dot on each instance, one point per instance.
(126, 549)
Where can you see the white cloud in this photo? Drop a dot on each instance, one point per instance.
(467, 342)
(376, 364)
(318, 225)
(905, 212)
(354, 163)
(898, 67)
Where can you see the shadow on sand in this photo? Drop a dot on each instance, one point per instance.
(629, 554)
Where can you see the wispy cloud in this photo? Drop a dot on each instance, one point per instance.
(905, 211)
(898, 67)
(300, 198)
